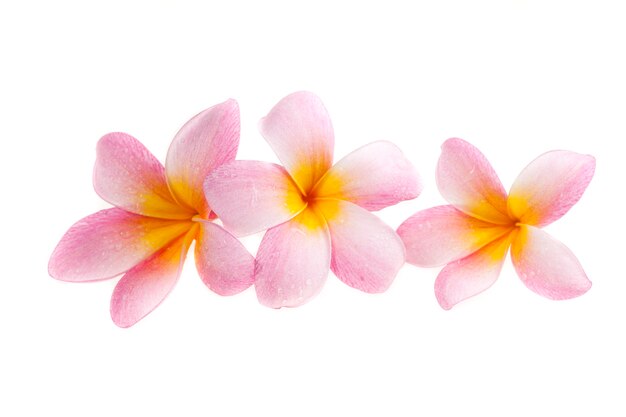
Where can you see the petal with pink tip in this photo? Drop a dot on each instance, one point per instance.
(293, 261)
(547, 266)
(467, 181)
(205, 142)
(374, 176)
(224, 264)
(549, 186)
(108, 243)
(471, 275)
(128, 176)
(299, 130)
(250, 196)
(145, 286)
(366, 253)
(444, 234)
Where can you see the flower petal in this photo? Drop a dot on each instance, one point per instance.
(250, 196)
(145, 286)
(471, 275)
(299, 131)
(467, 181)
(374, 176)
(547, 266)
(128, 176)
(443, 234)
(224, 264)
(293, 261)
(549, 186)
(110, 242)
(205, 142)
(366, 253)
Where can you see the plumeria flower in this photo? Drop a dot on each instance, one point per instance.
(317, 213)
(158, 212)
(472, 235)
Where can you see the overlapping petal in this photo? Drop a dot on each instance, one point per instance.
(374, 176)
(299, 131)
(549, 186)
(250, 196)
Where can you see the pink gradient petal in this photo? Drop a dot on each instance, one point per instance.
(374, 176)
(299, 130)
(366, 253)
(443, 234)
(547, 266)
(250, 196)
(471, 275)
(467, 181)
(145, 286)
(293, 261)
(110, 242)
(205, 142)
(128, 176)
(224, 264)
(549, 186)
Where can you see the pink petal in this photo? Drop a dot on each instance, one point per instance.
(205, 142)
(250, 196)
(128, 176)
(299, 130)
(374, 176)
(293, 261)
(471, 275)
(145, 286)
(110, 242)
(443, 234)
(547, 266)
(467, 181)
(223, 263)
(366, 253)
(549, 186)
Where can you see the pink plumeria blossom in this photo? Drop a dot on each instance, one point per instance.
(317, 213)
(158, 213)
(472, 235)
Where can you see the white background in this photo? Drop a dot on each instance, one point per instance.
(515, 78)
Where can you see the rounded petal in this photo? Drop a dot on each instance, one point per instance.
(224, 264)
(299, 131)
(547, 266)
(293, 261)
(366, 253)
(110, 242)
(471, 275)
(145, 286)
(549, 186)
(443, 234)
(467, 181)
(205, 142)
(128, 176)
(374, 176)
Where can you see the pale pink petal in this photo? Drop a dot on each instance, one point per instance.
(110, 242)
(549, 186)
(145, 286)
(471, 275)
(299, 130)
(467, 181)
(547, 266)
(250, 196)
(366, 253)
(224, 264)
(374, 176)
(293, 261)
(128, 176)
(205, 142)
(444, 234)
